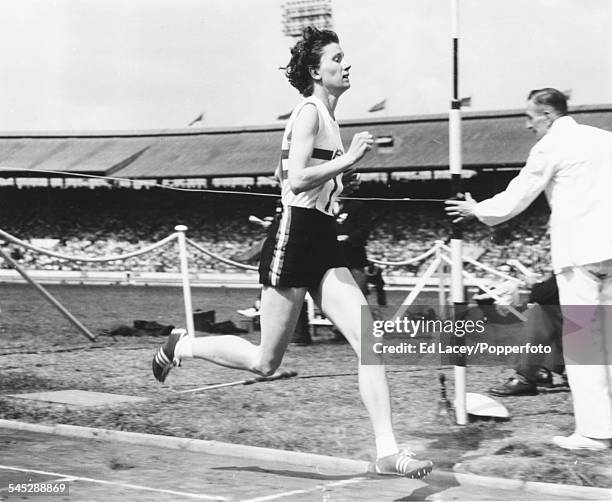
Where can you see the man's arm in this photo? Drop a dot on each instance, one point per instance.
(521, 192)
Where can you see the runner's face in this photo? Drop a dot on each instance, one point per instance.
(333, 72)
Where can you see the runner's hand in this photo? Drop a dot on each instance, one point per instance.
(361, 144)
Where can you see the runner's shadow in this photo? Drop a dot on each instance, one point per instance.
(437, 483)
(302, 474)
(464, 438)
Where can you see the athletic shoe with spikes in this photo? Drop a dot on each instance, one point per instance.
(164, 360)
(403, 464)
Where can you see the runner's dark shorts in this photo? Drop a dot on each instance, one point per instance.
(302, 244)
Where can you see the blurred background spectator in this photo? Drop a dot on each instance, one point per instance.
(105, 221)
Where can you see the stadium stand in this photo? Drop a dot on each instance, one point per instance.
(107, 221)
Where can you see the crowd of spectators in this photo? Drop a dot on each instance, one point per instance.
(105, 221)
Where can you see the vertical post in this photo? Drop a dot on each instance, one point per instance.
(182, 245)
(442, 280)
(455, 164)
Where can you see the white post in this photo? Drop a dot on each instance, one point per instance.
(455, 164)
(182, 245)
(418, 287)
(442, 279)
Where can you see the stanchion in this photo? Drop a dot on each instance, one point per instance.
(182, 245)
(442, 281)
(422, 282)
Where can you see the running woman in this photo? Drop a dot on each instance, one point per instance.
(302, 254)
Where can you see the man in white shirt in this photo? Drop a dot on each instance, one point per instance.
(572, 164)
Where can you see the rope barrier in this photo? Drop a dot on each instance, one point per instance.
(227, 261)
(220, 258)
(487, 290)
(148, 249)
(482, 266)
(410, 261)
(421, 257)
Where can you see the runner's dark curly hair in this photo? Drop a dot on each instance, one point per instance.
(306, 54)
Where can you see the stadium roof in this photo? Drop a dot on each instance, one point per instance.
(490, 140)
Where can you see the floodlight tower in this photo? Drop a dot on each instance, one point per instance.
(297, 14)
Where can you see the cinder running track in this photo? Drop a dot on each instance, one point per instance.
(99, 470)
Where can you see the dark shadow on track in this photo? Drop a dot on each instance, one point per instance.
(296, 474)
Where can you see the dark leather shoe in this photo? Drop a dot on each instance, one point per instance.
(515, 386)
(544, 377)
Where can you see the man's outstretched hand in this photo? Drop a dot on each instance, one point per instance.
(460, 209)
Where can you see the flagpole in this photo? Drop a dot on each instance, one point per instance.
(199, 118)
(455, 164)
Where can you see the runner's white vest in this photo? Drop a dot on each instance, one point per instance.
(327, 146)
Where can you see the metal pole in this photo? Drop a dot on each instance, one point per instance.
(455, 164)
(182, 245)
(418, 287)
(442, 279)
(48, 296)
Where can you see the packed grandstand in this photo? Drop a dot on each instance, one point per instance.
(105, 221)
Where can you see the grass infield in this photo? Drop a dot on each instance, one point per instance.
(319, 411)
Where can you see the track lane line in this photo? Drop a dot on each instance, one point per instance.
(114, 483)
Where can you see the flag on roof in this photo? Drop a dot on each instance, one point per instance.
(467, 101)
(199, 118)
(378, 106)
